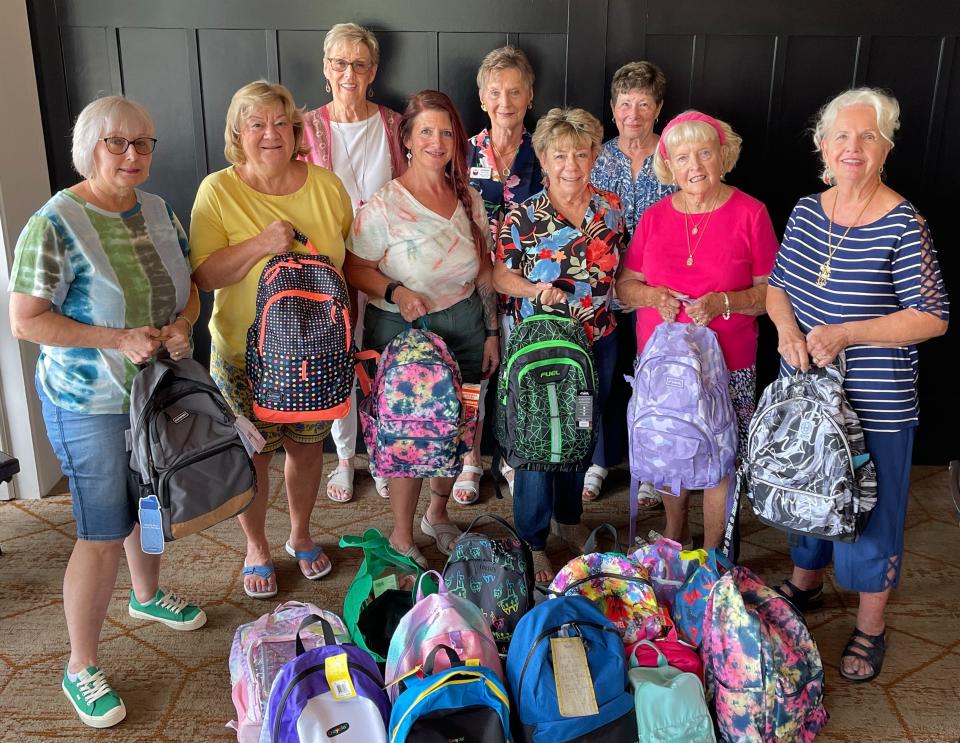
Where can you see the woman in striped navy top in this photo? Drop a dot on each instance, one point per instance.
(857, 273)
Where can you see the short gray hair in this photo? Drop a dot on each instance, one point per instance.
(110, 113)
(643, 76)
(351, 33)
(697, 131)
(883, 103)
(575, 125)
(505, 58)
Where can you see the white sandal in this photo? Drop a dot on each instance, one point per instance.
(471, 487)
(592, 482)
(648, 498)
(382, 485)
(341, 477)
(507, 473)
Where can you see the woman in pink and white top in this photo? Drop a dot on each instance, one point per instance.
(357, 140)
(702, 255)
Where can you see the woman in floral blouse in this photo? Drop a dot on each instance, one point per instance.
(570, 233)
(503, 167)
(625, 167)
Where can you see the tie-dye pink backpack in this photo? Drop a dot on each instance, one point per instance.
(761, 665)
(415, 422)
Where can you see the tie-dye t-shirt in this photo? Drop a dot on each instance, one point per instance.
(115, 270)
(430, 254)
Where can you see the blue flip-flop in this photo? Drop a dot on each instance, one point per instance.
(310, 556)
(261, 571)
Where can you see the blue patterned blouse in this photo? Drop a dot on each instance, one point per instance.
(525, 177)
(612, 172)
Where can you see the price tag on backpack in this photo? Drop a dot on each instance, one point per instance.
(583, 411)
(338, 677)
(385, 583)
(250, 437)
(575, 694)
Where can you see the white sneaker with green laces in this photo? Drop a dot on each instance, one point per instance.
(96, 703)
(169, 609)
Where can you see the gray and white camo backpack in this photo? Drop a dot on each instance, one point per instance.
(806, 469)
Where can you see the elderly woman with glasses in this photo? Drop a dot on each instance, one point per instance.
(243, 215)
(357, 140)
(101, 282)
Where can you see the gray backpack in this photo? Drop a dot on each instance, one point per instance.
(806, 469)
(185, 448)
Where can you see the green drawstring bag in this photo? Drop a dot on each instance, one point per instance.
(381, 593)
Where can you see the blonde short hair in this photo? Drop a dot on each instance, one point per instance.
(112, 113)
(572, 125)
(698, 131)
(254, 97)
(505, 58)
(351, 33)
(885, 105)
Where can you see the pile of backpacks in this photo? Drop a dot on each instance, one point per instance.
(658, 645)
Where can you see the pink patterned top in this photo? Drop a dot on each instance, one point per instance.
(316, 136)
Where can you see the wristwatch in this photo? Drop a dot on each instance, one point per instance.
(391, 287)
(493, 332)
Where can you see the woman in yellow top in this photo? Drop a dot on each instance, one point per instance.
(243, 215)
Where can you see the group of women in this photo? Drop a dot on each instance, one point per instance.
(466, 235)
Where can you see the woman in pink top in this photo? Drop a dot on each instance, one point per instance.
(702, 255)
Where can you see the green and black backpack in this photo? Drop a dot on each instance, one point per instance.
(546, 412)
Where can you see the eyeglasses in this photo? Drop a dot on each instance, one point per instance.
(119, 145)
(359, 66)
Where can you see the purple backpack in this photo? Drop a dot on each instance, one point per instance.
(311, 701)
(680, 421)
(761, 665)
(415, 421)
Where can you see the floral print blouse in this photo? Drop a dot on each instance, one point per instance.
(580, 259)
(612, 172)
(524, 180)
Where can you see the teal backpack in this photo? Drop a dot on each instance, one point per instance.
(670, 703)
(546, 411)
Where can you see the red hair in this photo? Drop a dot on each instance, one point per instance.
(434, 100)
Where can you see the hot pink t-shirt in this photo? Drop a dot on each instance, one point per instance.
(737, 244)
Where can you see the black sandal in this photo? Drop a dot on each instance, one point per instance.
(872, 654)
(803, 600)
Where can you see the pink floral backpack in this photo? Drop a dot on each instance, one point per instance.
(441, 618)
(415, 421)
(762, 667)
(668, 566)
(260, 649)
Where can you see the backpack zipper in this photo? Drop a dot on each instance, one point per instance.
(545, 344)
(300, 677)
(316, 296)
(819, 404)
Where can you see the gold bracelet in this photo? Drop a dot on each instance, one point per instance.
(189, 323)
(726, 306)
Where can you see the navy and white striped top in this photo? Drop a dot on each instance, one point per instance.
(878, 269)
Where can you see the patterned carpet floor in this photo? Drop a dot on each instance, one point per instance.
(177, 687)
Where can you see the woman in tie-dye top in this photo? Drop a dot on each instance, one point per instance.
(101, 282)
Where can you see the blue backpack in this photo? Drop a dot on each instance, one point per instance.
(533, 688)
(463, 703)
(302, 704)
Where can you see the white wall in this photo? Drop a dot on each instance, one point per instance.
(24, 186)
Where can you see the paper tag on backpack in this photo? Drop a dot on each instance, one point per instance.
(575, 694)
(338, 677)
(250, 437)
(385, 583)
(583, 411)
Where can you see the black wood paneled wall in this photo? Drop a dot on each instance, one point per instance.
(764, 65)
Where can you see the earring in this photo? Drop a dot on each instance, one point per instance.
(369, 92)
(530, 106)
(327, 86)
(483, 106)
(409, 155)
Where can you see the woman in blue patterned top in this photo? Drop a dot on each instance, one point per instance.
(505, 170)
(857, 274)
(625, 167)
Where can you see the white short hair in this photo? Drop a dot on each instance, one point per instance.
(112, 113)
(885, 105)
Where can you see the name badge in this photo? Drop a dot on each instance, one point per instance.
(481, 173)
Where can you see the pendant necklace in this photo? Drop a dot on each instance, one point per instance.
(697, 229)
(364, 136)
(824, 276)
(504, 171)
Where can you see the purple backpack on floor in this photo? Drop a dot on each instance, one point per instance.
(680, 421)
(309, 701)
(762, 667)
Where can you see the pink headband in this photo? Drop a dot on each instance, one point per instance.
(688, 116)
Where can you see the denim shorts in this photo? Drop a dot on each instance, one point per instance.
(93, 455)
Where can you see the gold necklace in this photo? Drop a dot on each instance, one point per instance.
(687, 231)
(824, 276)
(505, 171)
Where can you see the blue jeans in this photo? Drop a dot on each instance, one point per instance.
(93, 455)
(540, 496)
